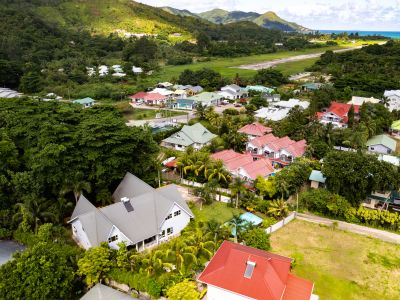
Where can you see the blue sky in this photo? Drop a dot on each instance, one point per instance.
(378, 15)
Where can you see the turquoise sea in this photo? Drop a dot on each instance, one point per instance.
(389, 34)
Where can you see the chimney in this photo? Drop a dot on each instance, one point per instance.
(250, 265)
(125, 199)
(127, 203)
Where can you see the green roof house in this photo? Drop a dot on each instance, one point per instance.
(196, 136)
(313, 86)
(260, 89)
(206, 99)
(85, 102)
(317, 179)
(382, 144)
(395, 128)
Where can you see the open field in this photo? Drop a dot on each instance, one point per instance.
(228, 66)
(343, 265)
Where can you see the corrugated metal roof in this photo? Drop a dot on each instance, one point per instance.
(383, 140)
(189, 135)
(103, 292)
(317, 176)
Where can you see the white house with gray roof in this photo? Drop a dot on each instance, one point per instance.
(141, 216)
(233, 92)
(196, 136)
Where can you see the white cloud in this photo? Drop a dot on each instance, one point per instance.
(317, 14)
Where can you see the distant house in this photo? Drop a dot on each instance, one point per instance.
(103, 70)
(383, 200)
(260, 89)
(85, 102)
(101, 291)
(361, 100)
(394, 99)
(233, 92)
(313, 86)
(382, 144)
(254, 130)
(238, 272)
(317, 179)
(7, 93)
(141, 216)
(163, 91)
(165, 85)
(137, 70)
(395, 128)
(194, 90)
(149, 98)
(244, 165)
(337, 114)
(281, 151)
(205, 99)
(196, 136)
(277, 111)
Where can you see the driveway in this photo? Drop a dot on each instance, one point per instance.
(372, 232)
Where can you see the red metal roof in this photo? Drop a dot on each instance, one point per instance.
(148, 96)
(270, 280)
(339, 109)
(139, 95)
(263, 140)
(255, 129)
(297, 149)
(233, 161)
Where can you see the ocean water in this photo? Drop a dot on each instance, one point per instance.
(389, 34)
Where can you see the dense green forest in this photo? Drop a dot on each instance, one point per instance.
(370, 70)
(51, 151)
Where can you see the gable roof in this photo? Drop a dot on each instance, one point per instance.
(189, 135)
(355, 100)
(270, 279)
(234, 161)
(86, 100)
(205, 97)
(256, 129)
(384, 140)
(317, 176)
(392, 93)
(103, 292)
(150, 207)
(264, 140)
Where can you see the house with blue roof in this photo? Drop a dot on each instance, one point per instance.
(85, 102)
(317, 179)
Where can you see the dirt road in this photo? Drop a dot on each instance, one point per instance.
(275, 62)
(372, 232)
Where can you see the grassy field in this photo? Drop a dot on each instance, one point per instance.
(226, 66)
(130, 113)
(217, 211)
(343, 265)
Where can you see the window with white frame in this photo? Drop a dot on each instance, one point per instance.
(162, 234)
(170, 230)
(113, 238)
(168, 217)
(177, 213)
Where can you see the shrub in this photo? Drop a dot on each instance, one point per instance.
(257, 238)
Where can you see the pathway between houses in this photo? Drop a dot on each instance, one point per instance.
(372, 232)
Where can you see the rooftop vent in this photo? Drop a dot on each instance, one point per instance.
(127, 204)
(249, 269)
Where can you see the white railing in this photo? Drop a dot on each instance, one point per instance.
(281, 223)
(197, 184)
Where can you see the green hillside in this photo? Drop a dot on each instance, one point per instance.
(268, 20)
(179, 12)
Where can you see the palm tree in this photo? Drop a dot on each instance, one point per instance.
(217, 171)
(200, 242)
(278, 209)
(237, 223)
(181, 255)
(218, 231)
(237, 188)
(200, 111)
(34, 212)
(155, 262)
(183, 162)
(75, 184)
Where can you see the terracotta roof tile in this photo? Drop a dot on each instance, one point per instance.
(255, 129)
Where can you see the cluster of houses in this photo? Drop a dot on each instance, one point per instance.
(143, 217)
(114, 70)
(279, 110)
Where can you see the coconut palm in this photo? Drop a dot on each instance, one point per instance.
(155, 262)
(237, 188)
(181, 256)
(278, 209)
(217, 171)
(75, 184)
(238, 224)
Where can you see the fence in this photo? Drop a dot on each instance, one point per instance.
(281, 223)
(196, 184)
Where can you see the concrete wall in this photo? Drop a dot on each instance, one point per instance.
(214, 293)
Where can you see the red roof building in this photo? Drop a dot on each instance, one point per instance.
(279, 150)
(255, 130)
(337, 114)
(241, 272)
(149, 98)
(244, 165)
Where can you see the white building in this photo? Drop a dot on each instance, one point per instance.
(355, 100)
(233, 92)
(279, 110)
(394, 99)
(7, 93)
(141, 216)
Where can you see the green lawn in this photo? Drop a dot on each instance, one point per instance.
(131, 113)
(226, 66)
(217, 211)
(343, 265)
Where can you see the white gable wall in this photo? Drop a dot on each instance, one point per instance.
(176, 222)
(80, 235)
(379, 149)
(120, 238)
(215, 293)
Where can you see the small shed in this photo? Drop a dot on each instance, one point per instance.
(85, 102)
(317, 179)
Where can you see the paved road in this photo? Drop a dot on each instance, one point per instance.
(275, 62)
(372, 232)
